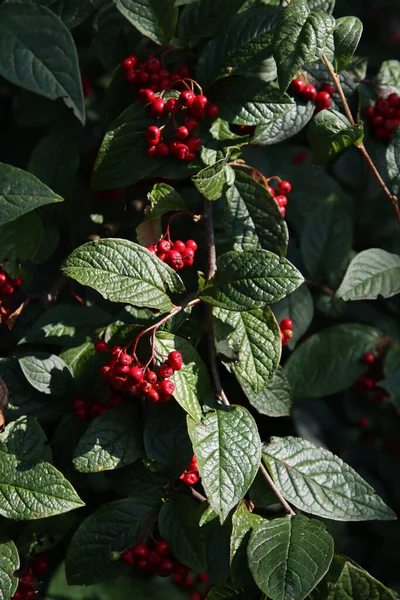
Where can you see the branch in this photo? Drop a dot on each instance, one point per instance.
(320, 286)
(361, 147)
(277, 493)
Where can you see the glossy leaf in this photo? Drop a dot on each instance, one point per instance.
(284, 126)
(329, 133)
(372, 273)
(228, 446)
(210, 181)
(21, 192)
(27, 32)
(123, 271)
(71, 12)
(289, 556)
(318, 482)
(276, 399)
(347, 34)
(249, 280)
(47, 373)
(163, 198)
(55, 161)
(26, 440)
(155, 19)
(204, 19)
(243, 523)
(9, 563)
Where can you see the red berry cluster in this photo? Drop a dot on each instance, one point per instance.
(308, 93)
(384, 116)
(176, 254)
(124, 374)
(280, 194)
(286, 327)
(83, 408)
(8, 300)
(369, 382)
(27, 583)
(8, 285)
(152, 74)
(191, 475)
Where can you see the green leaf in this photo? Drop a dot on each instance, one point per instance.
(166, 439)
(21, 192)
(26, 440)
(326, 240)
(34, 493)
(389, 74)
(318, 482)
(210, 181)
(330, 361)
(329, 133)
(255, 340)
(204, 19)
(21, 238)
(347, 34)
(371, 273)
(243, 523)
(226, 592)
(228, 449)
(122, 271)
(9, 563)
(27, 32)
(393, 160)
(249, 280)
(85, 365)
(55, 161)
(216, 539)
(300, 38)
(289, 556)
(47, 373)
(243, 42)
(163, 199)
(284, 126)
(112, 441)
(192, 382)
(140, 484)
(179, 526)
(155, 19)
(112, 527)
(71, 12)
(252, 217)
(299, 307)
(276, 399)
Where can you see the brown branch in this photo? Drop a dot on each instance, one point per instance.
(277, 493)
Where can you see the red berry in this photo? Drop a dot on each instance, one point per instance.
(184, 71)
(288, 334)
(41, 564)
(195, 596)
(143, 76)
(391, 124)
(182, 132)
(172, 106)
(154, 79)
(281, 200)
(164, 73)
(18, 595)
(162, 548)
(152, 150)
(81, 413)
(212, 111)
(191, 244)
(175, 360)
(329, 88)
(203, 577)
(125, 359)
(271, 191)
(191, 478)
(140, 551)
(153, 396)
(282, 210)
(200, 102)
(190, 156)
(131, 77)
(165, 398)
(166, 567)
(7, 289)
(191, 124)
(368, 358)
(382, 106)
(180, 151)
(116, 350)
(116, 401)
(194, 144)
(322, 101)
(166, 387)
(101, 346)
(153, 65)
(27, 580)
(162, 149)
(79, 403)
(178, 246)
(363, 422)
(136, 373)
(152, 135)
(29, 594)
(129, 62)
(199, 113)
(132, 390)
(368, 111)
(286, 324)
(174, 258)
(394, 100)
(3, 279)
(296, 86)
(186, 98)
(145, 387)
(309, 93)
(284, 187)
(153, 557)
(163, 246)
(145, 95)
(128, 556)
(151, 376)
(157, 107)
(166, 371)
(95, 410)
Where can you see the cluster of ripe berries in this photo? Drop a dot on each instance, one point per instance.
(27, 583)
(369, 383)
(152, 74)
(384, 116)
(177, 254)
(8, 285)
(286, 327)
(122, 373)
(156, 559)
(308, 93)
(84, 408)
(280, 195)
(191, 475)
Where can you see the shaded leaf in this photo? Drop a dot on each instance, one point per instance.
(299, 307)
(47, 373)
(329, 133)
(163, 199)
(276, 399)
(55, 161)
(155, 19)
(210, 181)
(347, 34)
(9, 563)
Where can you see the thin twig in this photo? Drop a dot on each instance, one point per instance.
(212, 254)
(277, 493)
(199, 497)
(336, 79)
(320, 286)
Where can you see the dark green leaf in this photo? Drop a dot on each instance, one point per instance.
(276, 399)
(21, 239)
(228, 448)
(216, 544)
(33, 493)
(289, 556)
(249, 280)
(192, 382)
(139, 483)
(210, 181)
(179, 526)
(329, 133)
(113, 527)
(55, 161)
(71, 12)
(255, 341)
(205, 18)
(242, 43)
(318, 482)
(85, 365)
(9, 563)
(393, 160)
(112, 441)
(47, 373)
(252, 217)
(347, 34)
(299, 307)
(27, 32)
(243, 523)
(155, 19)
(163, 199)
(21, 192)
(284, 126)
(123, 271)
(371, 273)
(300, 38)
(26, 440)
(226, 592)
(330, 361)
